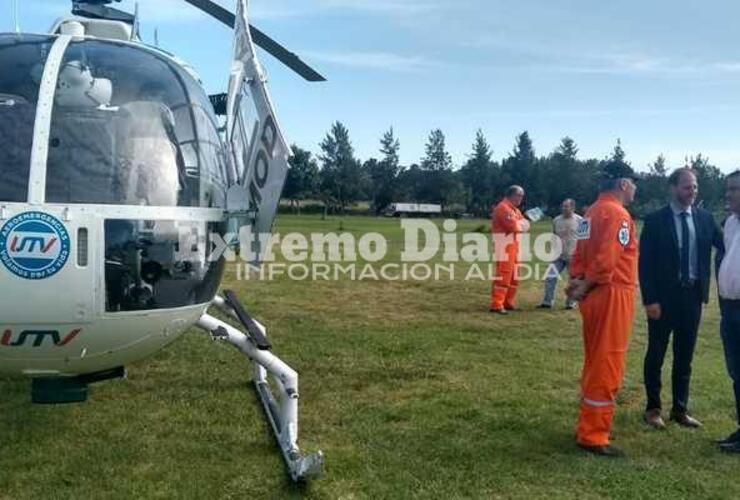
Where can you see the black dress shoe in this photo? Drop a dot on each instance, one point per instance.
(732, 438)
(733, 447)
(511, 308)
(685, 420)
(502, 312)
(654, 420)
(607, 450)
(544, 306)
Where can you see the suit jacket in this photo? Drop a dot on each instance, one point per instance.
(659, 255)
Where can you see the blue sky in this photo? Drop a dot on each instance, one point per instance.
(662, 76)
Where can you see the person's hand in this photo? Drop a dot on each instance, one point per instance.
(577, 289)
(653, 311)
(571, 288)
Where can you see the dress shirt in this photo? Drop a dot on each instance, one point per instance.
(728, 279)
(693, 263)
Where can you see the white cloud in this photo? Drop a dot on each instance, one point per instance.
(637, 65)
(641, 112)
(382, 6)
(567, 59)
(262, 12)
(290, 8)
(374, 60)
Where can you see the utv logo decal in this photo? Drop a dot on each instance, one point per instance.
(37, 338)
(34, 245)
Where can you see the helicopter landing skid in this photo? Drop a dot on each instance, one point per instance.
(282, 413)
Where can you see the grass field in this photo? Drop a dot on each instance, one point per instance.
(411, 389)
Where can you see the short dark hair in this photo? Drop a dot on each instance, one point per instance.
(512, 190)
(732, 175)
(608, 185)
(675, 176)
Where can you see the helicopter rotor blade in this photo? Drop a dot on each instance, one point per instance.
(285, 56)
(279, 52)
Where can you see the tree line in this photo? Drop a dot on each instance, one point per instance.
(339, 179)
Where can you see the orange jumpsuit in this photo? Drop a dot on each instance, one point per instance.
(606, 254)
(506, 221)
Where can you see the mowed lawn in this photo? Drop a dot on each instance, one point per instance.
(411, 389)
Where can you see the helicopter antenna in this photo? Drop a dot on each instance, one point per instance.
(156, 37)
(135, 31)
(14, 7)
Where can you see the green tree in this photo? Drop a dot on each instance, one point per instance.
(383, 174)
(341, 173)
(303, 176)
(477, 176)
(566, 176)
(711, 183)
(653, 189)
(410, 183)
(438, 183)
(618, 154)
(567, 148)
(436, 158)
(520, 163)
(522, 168)
(658, 167)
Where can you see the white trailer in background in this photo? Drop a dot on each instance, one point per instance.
(413, 209)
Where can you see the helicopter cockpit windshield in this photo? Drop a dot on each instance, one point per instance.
(129, 127)
(24, 56)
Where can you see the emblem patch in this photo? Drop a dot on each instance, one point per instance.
(34, 245)
(583, 231)
(624, 236)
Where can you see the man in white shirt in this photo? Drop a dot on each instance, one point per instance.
(728, 282)
(564, 226)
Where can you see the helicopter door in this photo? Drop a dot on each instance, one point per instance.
(259, 150)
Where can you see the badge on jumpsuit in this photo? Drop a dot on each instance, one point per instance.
(583, 231)
(624, 234)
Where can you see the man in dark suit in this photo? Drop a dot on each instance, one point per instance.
(675, 269)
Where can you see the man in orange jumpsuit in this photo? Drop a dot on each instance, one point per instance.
(604, 271)
(507, 222)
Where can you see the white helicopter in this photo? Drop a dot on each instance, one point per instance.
(109, 151)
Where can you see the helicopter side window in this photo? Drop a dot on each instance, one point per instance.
(23, 57)
(146, 268)
(211, 176)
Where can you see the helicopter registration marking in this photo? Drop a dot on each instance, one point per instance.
(34, 245)
(268, 143)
